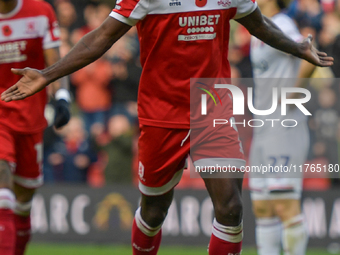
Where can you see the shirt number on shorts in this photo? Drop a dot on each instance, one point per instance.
(279, 161)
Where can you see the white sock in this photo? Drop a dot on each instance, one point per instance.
(295, 236)
(230, 234)
(145, 228)
(23, 209)
(268, 236)
(7, 199)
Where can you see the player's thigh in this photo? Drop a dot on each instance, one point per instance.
(218, 149)
(29, 156)
(263, 208)
(7, 157)
(162, 154)
(220, 146)
(286, 209)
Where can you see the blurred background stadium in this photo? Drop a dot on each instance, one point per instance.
(90, 166)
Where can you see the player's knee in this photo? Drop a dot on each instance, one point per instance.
(154, 216)
(5, 175)
(155, 209)
(261, 211)
(23, 195)
(285, 211)
(230, 212)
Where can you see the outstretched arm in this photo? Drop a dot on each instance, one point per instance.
(262, 28)
(88, 49)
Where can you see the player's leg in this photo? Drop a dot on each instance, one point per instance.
(287, 205)
(267, 225)
(27, 177)
(162, 154)
(268, 228)
(227, 230)
(221, 147)
(7, 198)
(147, 224)
(294, 230)
(22, 217)
(7, 202)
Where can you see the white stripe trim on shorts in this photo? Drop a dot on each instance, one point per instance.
(237, 162)
(28, 182)
(156, 191)
(255, 195)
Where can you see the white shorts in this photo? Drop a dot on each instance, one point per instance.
(289, 150)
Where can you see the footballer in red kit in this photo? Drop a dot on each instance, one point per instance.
(179, 40)
(29, 36)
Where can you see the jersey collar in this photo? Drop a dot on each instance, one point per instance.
(13, 12)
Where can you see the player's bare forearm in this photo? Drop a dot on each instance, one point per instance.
(52, 56)
(88, 49)
(262, 28)
(91, 47)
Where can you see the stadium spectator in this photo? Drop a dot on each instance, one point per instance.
(29, 36)
(117, 146)
(169, 60)
(239, 51)
(92, 93)
(126, 75)
(329, 39)
(77, 153)
(306, 13)
(66, 13)
(326, 119)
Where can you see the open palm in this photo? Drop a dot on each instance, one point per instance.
(312, 55)
(32, 82)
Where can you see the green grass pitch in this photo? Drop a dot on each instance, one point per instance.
(71, 249)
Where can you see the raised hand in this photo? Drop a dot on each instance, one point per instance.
(312, 55)
(32, 82)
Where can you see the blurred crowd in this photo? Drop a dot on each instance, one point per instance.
(99, 145)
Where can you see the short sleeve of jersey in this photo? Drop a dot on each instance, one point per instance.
(244, 8)
(130, 11)
(52, 34)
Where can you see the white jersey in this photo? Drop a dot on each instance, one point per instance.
(268, 62)
(274, 68)
(276, 146)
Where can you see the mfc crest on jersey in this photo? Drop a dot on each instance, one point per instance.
(25, 33)
(179, 40)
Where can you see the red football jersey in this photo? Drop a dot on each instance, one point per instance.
(179, 40)
(25, 33)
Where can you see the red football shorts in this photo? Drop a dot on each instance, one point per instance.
(24, 153)
(163, 152)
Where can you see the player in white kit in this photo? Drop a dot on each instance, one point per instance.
(276, 199)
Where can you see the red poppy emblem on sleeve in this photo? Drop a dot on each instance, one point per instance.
(201, 3)
(6, 30)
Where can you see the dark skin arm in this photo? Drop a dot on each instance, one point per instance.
(262, 28)
(52, 56)
(96, 43)
(91, 47)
